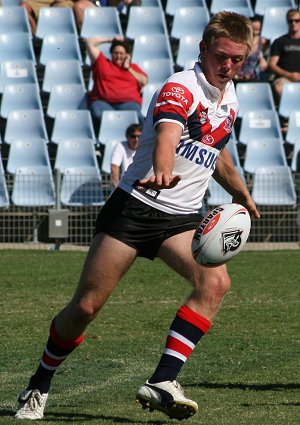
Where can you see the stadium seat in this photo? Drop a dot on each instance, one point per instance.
(189, 21)
(217, 195)
(25, 125)
(56, 21)
(254, 97)
(27, 153)
(145, 20)
(33, 187)
(188, 50)
(172, 5)
(261, 124)
(102, 22)
(158, 70)
(4, 196)
(75, 153)
(60, 47)
(293, 131)
(18, 97)
(189, 64)
(262, 5)
(16, 47)
(62, 72)
(274, 23)
(232, 149)
(10, 3)
(289, 100)
(106, 162)
(263, 153)
(114, 124)
(81, 187)
(243, 7)
(154, 46)
(295, 165)
(69, 125)
(148, 92)
(274, 186)
(14, 19)
(66, 97)
(17, 72)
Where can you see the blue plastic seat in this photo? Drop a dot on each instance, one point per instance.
(145, 20)
(232, 149)
(62, 72)
(114, 124)
(295, 165)
(158, 70)
(60, 47)
(14, 19)
(102, 22)
(33, 187)
(16, 47)
(261, 124)
(254, 97)
(148, 92)
(172, 5)
(82, 186)
(72, 125)
(243, 7)
(290, 99)
(274, 23)
(262, 5)
(189, 21)
(17, 72)
(217, 195)
(66, 97)
(4, 196)
(54, 21)
(18, 97)
(274, 186)
(27, 153)
(75, 153)
(264, 153)
(25, 125)
(151, 46)
(188, 50)
(293, 131)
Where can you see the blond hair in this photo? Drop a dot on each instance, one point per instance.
(231, 25)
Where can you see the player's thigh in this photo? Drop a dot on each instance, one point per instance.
(107, 261)
(176, 252)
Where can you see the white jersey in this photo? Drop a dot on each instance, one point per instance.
(122, 156)
(189, 100)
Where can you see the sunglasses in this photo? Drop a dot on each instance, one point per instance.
(293, 20)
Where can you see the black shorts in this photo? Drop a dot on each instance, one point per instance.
(139, 225)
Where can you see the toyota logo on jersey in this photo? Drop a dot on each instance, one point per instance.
(177, 90)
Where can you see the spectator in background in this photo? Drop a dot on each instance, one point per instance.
(123, 153)
(255, 63)
(118, 82)
(81, 5)
(33, 9)
(284, 59)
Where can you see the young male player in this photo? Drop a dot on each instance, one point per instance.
(154, 213)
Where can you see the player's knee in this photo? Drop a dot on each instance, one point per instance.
(217, 285)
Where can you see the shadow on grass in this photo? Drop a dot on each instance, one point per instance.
(245, 387)
(78, 417)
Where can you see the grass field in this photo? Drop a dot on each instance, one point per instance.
(245, 371)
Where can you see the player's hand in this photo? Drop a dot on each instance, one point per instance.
(161, 181)
(249, 204)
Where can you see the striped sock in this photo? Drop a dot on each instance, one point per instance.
(185, 332)
(56, 351)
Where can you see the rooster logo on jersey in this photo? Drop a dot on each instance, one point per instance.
(228, 124)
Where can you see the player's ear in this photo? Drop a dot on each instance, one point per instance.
(202, 47)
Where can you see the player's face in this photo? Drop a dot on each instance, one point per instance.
(222, 60)
(118, 55)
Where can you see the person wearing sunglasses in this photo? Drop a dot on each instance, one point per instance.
(284, 59)
(123, 153)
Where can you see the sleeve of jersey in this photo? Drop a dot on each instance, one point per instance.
(173, 104)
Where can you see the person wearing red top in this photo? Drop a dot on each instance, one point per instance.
(118, 82)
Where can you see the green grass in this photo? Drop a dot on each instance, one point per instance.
(245, 371)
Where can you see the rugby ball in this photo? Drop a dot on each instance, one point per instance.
(221, 235)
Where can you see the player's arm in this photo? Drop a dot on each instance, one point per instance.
(167, 138)
(227, 176)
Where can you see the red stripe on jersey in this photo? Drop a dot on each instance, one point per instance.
(51, 362)
(194, 318)
(224, 129)
(174, 98)
(67, 344)
(178, 346)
